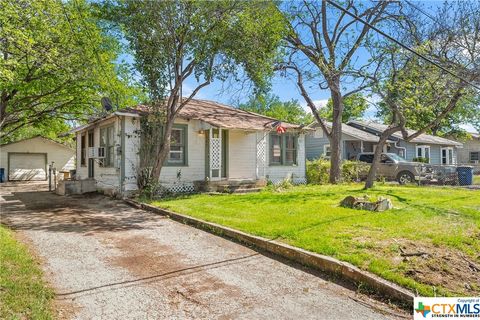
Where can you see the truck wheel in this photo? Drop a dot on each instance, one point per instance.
(405, 177)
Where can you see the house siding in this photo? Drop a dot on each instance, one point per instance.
(468, 146)
(242, 155)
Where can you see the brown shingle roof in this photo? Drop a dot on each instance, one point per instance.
(222, 116)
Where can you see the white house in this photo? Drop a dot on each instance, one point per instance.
(210, 142)
(28, 159)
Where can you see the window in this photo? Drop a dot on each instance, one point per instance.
(83, 151)
(107, 141)
(474, 156)
(283, 149)
(290, 149)
(368, 158)
(326, 150)
(178, 146)
(446, 155)
(423, 152)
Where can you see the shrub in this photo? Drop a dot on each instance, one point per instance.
(318, 171)
(354, 170)
(421, 159)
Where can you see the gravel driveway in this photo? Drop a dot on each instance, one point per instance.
(107, 260)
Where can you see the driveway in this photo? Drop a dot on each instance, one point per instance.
(107, 260)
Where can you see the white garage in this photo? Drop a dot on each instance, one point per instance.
(28, 160)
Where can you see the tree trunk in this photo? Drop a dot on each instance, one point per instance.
(372, 173)
(336, 134)
(162, 151)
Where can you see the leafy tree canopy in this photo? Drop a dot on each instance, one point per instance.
(354, 106)
(271, 106)
(423, 92)
(56, 66)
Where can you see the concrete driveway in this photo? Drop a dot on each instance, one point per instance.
(107, 260)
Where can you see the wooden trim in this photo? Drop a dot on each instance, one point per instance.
(184, 127)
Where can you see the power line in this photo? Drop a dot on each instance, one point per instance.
(400, 44)
(422, 11)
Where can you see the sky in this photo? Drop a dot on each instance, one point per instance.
(285, 88)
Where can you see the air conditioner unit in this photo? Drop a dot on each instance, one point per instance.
(92, 152)
(101, 153)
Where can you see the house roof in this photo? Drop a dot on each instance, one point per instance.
(351, 131)
(217, 115)
(423, 138)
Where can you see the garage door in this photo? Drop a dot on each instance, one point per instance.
(27, 166)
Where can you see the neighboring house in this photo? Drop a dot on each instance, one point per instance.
(436, 149)
(28, 159)
(353, 141)
(470, 153)
(362, 136)
(210, 142)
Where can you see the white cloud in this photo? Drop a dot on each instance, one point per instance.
(318, 103)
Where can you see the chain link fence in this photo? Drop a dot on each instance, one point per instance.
(455, 175)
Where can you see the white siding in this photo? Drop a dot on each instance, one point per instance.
(63, 156)
(132, 143)
(242, 154)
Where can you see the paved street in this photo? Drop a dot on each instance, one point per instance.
(107, 260)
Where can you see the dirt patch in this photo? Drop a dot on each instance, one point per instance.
(436, 266)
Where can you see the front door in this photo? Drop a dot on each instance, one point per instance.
(91, 161)
(216, 153)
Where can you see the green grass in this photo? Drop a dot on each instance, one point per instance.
(441, 219)
(23, 293)
(476, 179)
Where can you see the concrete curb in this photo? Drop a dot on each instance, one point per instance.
(340, 269)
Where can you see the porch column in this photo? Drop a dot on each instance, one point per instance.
(361, 146)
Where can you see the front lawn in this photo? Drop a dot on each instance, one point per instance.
(429, 243)
(23, 293)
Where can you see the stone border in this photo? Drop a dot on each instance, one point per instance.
(344, 270)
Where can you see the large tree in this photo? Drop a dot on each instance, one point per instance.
(354, 107)
(197, 41)
(56, 64)
(270, 105)
(447, 72)
(322, 46)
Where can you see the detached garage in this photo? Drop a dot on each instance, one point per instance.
(27, 160)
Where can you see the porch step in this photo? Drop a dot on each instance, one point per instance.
(247, 190)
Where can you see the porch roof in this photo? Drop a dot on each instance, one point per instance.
(223, 116)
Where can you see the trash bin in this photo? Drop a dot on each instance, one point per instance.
(465, 176)
(2, 175)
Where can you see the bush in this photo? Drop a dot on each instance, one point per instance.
(421, 159)
(318, 171)
(354, 170)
